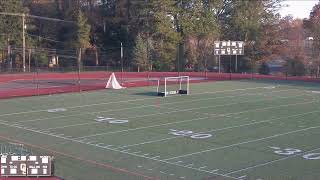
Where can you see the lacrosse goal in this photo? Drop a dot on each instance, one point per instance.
(173, 85)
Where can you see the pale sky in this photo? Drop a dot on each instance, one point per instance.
(298, 8)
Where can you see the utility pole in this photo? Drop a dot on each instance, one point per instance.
(29, 60)
(236, 69)
(23, 43)
(23, 15)
(121, 57)
(121, 62)
(96, 54)
(79, 68)
(219, 64)
(9, 57)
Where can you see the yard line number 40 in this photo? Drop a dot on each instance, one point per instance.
(188, 133)
(293, 151)
(110, 120)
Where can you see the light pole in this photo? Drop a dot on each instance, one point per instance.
(23, 43)
(121, 58)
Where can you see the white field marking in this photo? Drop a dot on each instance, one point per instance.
(178, 162)
(156, 157)
(126, 101)
(177, 122)
(73, 107)
(215, 170)
(137, 107)
(221, 129)
(168, 112)
(137, 152)
(72, 125)
(271, 162)
(241, 143)
(243, 89)
(103, 90)
(315, 92)
(56, 117)
(114, 150)
(241, 177)
(149, 142)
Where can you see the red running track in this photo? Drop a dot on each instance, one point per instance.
(141, 79)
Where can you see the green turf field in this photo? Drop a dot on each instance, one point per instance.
(222, 130)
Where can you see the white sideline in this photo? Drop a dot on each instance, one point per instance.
(143, 106)
(115, 150)
(146, 127)
(166, 160)
(221, 129)
(133, 100)
(169, 112)
(271, 162)
(241, 143)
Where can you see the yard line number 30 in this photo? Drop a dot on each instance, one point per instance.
(293, 151)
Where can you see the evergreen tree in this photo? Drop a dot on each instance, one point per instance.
(11, 26)
(199, 28)
(83, 31)
(140, 54)
(164, 32)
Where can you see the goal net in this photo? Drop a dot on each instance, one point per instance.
(173, 85)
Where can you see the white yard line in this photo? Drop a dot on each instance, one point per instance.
(126, 101)
(243, 89)
(166, 161)
(221, 129)
(177, 122)
(115, 150)
(241, 143)
(73, 107)
(271, 162)
(71, 125)
(162, 113)
(143, 106)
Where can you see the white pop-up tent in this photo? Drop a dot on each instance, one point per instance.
(113, 83)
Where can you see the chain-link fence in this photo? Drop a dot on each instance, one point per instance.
(44, 81)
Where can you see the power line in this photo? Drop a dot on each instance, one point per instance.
(48, 39)
(36, 17)
(23, 15)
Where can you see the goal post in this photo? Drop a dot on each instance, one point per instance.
(173, 85)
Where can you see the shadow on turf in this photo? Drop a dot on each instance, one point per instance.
(146, 93)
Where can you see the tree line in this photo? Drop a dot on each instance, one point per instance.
(166, 35)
